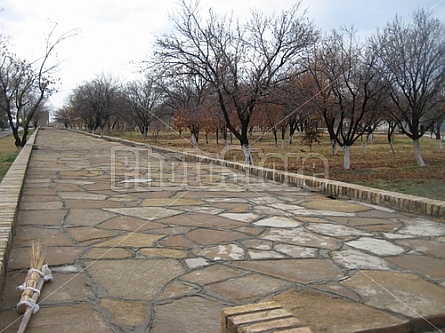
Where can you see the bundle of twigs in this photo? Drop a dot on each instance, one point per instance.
(36, 277)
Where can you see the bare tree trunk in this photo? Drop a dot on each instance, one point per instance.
(439, 144)
(246, 153)
(274, 131)
(346, 157)
(334, 147)
(417, 153)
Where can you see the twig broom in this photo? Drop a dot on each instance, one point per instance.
(36, 277)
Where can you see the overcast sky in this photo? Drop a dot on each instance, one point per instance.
(114, 33)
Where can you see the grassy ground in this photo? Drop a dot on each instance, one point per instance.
(8, 153)
(378, 168)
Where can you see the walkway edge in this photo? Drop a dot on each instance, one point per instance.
(11, 189)
(331, 188)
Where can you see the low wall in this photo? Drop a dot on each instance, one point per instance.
(331, 188)
(10, 192)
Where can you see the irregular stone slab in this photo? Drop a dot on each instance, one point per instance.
(409, 294)
(370, 224)
(60, 318)
(377, 246)
(169, 202)
(88, 235)
(233, 207)
(41, 217)
(422, 227)
(41, 205)
(112, 253)
(247, 288)
(163, 253)
(25, 235)
(258, 244)
(266, 200)
(177, 289)
(323, 313)
(210, 236)
(296, 270)
(338, 289)
(179, 241)
(202, 220)
(354, 259)
(263, 254)
(434, 248)
(278, 222)
(134, 239)
(128, 223)
(297, 251)
(432, 267)
(221, 252)
(91, 204)
(87, 217)
(301, 237)
(335, 205)
(131, 314)
(82, 196)
(147, 213)
(266, 211)
(134, 279)
(212, 274)
(243, 217)
(193, 314)
(193, 263)
(203, 209)
(335, 230)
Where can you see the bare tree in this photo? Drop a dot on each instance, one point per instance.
(142, 99)
(97, 102)
(241, 62)
(346, 69)
(24, 85)
(413, 60)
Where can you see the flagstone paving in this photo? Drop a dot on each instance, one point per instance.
(141, 242)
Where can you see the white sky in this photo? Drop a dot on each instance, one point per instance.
(113, 33)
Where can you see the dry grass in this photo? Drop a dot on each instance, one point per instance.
(8, 153)
(379, 167)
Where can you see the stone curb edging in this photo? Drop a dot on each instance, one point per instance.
(331, 188)
(10, 192)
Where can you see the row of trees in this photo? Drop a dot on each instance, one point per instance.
(279, 73)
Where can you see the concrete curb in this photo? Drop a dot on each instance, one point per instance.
(10, 192)
(331, 188)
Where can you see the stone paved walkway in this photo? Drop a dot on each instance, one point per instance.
(139, 242)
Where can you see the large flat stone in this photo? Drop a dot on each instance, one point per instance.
(223, 252)
(211, 274)
(335, 205)
(422, 227)
(210, 236)
(301, 237)
(147, 213)
(134, 279)
(191, 314)
(88, 235)
(432, 267)
(87, 217)
(55, 256)
(129, 223)
(248, 288)
(61, 318)
(379, 247)
(296, 270)
(51, 217)
(434, 248)
(403, 293)
(202, 220)
(328, 314)
(354, 259)
(134, 239)
(132, 314)
(335, 230)
(278, 222)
